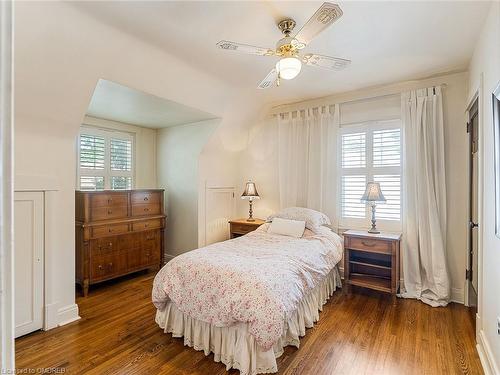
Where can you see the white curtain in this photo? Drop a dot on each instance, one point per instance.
(308, 158)
(424, 223)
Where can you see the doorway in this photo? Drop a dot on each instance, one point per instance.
(473, 230)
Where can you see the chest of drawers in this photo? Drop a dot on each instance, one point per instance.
(117, 232)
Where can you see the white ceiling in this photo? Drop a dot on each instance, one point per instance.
(386, 41)
(112, 101)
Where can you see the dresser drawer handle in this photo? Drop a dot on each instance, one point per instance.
(110, 212)
(146, 225)
(110, 244)
(99, 266)
(369, 244)
(146, 209)
(110, 230)
(146, 199)
(110, 200)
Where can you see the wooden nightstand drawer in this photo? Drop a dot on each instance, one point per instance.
(241, 227)
(369, 244)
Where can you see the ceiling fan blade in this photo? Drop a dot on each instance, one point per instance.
(326, 15)
(270, 80)
(327, 62)
(245, 48)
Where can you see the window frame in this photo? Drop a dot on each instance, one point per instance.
(107, 173)
(369, 171)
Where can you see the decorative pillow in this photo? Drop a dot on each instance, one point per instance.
(293, 228)
(313, 219)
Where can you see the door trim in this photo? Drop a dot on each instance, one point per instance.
(477, 94)
(7, 353)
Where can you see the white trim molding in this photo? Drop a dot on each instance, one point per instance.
(7, 354)
(457, 295)
(67, 314)
(486, 357)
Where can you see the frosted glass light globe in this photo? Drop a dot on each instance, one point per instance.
(288, 67)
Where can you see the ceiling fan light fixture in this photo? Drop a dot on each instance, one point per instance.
(288, 67)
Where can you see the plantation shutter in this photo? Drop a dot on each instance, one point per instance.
(105, 160)
(370, 152)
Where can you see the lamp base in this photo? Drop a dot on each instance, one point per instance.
(373, 229)
(250, 219)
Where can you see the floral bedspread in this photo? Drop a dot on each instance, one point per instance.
(258, 278)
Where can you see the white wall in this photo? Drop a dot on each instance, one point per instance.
(179, 149)
(260, 160)
(60, 54)
(145, 148)
(485, 67)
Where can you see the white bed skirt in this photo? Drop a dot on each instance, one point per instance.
(235, 346)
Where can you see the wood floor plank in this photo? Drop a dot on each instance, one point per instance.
(363, 333)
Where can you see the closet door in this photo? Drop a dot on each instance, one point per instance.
(28, 261)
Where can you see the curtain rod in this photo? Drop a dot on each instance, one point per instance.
(325, 102)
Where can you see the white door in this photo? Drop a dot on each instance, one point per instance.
(219, 210)
(28, 261)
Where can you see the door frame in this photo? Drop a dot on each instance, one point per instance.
(477, 94)
(7, 352)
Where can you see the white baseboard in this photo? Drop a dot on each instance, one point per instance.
(457, 295)
(51, 316)
(68, 314)
(490, 366)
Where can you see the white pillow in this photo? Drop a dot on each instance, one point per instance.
(313, 219)
(293, 228)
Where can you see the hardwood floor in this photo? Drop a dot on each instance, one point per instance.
(360, 334)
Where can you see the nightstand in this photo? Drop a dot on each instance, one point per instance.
(372, 260)
(240, 227)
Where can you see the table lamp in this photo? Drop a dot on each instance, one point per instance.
(372, 196)
(250, 193)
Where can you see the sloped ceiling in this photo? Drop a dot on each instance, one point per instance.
(112, 101)
(386, 41)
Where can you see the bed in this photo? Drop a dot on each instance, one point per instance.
(245, 299)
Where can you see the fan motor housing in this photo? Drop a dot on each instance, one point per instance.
(286, 26)
(285, 46)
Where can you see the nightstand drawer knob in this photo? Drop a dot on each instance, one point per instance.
(369, 243)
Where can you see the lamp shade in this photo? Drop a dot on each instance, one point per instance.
(250, 191)
(373, 193)
(288, 67)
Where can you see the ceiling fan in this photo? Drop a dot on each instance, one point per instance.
(288, 48)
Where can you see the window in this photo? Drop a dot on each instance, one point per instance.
(370, 152)
(105, 160)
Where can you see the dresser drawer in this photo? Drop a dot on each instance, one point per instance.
(150, 255)
(146, 209)
(151, 235)
(104, 246)
(370, 244)
(109, 212)
(108, 200)
(109, 230)
(106, 266)
(145, 197)
(146, 224)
